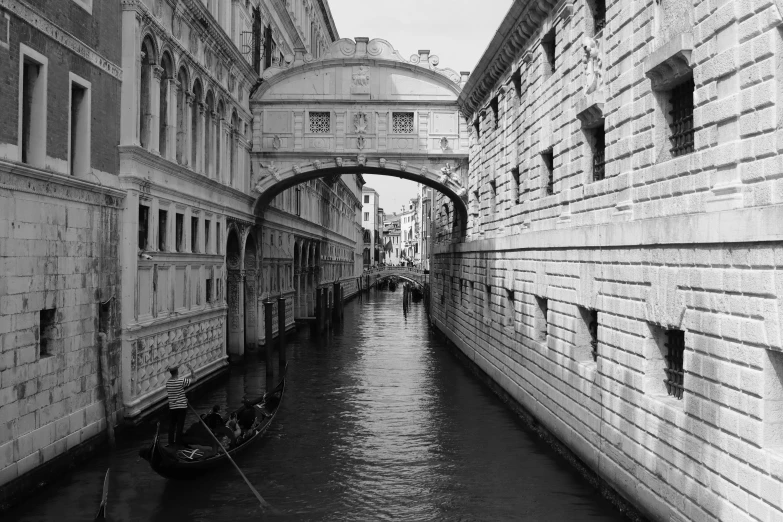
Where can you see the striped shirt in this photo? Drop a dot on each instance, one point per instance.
(175, 389)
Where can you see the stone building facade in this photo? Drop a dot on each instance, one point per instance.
(59, 226)
(193, 246)
(619, 277)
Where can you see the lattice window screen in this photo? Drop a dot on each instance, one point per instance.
(402, 122)
(320, 122)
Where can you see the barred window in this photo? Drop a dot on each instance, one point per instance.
(402, 122)
(675, 374)
(320, 122)
(681, 126)
(599, 153)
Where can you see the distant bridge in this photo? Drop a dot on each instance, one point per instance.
(416, 276)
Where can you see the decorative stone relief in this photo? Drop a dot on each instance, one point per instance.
(382, 162)
(317, 164)
(272, 170)
(297, 169)
(198, 343)
(594, 62)
(361, 160)
(338, 162)
(276, 143)
(360, 80)
(360, 123)
(404, 166)
(360, 142)
(176, 26)
(193, 42)
(444, 144)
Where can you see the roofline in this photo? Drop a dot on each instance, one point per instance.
(324, 5)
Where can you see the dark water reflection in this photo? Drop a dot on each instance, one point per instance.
(380, 422)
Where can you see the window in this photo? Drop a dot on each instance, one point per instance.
(597, 138)
(548, 48)
(515, 189)
(194, 234)
(495, 105)
(541, 318)
(32, 102)
(366, 199)
(598, 13)
(366, 216)
(516, 80)
(207, 230)
(681, 118)
(586, 340)
(79, 144)
(179, 225)
(675, 351)
(493, 194)
(402, 122)
(320, 122)
(47, 332)
(548, 169)
(510, 310)
(144, 219)
(208, 286)
(163, 223)
(298, 201)
(218, 244)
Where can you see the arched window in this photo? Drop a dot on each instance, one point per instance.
(195, 127)
(182, 115)
(209, 136)
(163, 114)
(220, 147)
(148, 60)
(232, 148)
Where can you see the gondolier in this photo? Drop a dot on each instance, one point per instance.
(178, 402)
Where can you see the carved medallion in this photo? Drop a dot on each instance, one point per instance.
(360, 142)
(444, 143)
(360, 123)
(276, 143)
(360, 80)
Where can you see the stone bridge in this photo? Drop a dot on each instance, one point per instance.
(413, 275)
(360, 109)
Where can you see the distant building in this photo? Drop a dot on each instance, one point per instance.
(372, 222)
(391, 239)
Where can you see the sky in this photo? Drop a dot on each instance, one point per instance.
(457, 31)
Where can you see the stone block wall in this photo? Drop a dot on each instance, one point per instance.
(58, 259)
(662, 243)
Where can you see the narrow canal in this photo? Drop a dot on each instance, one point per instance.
(379, 422)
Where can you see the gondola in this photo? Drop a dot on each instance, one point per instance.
(198, 456)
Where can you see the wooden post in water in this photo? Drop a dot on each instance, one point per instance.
(342, 303)
(336, 305)
(103, 362)
(281, 334)
(268, 335)
(319, 314)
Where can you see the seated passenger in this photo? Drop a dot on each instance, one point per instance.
(214, 420)
(247, 416)
(233, 425)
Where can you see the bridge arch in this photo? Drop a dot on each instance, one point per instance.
(361, 108)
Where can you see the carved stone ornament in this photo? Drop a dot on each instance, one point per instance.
(276, 143)
(360, 142)
(668, 65)
(360, 80)
(382, 162)
(403, 166)
(157, 8)
(176, 26)
(360, 123)
(594, 62)
(231, 82)
(273, 170)
(193, 42)
(317, 164)
(338, 162)
(424, 169)
(361, 160)
(297, 169)
(444, 143)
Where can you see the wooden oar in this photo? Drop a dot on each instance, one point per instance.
(264, 503)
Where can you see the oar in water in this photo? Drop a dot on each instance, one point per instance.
(264, 503)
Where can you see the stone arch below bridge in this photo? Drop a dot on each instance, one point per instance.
(360, 109)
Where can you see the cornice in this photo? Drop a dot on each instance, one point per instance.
(288, 22)
(333, 34)
(19, 177)
(521, 24)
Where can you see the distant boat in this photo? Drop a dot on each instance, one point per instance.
(179, 462)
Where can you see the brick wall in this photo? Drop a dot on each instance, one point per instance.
(688, 243)
(105, 88)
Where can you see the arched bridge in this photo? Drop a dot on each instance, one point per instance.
(360, 109)
(413, 275)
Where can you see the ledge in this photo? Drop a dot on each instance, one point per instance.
(590, 110)
(671, 63)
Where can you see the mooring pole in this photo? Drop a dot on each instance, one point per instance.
(281, 313)
(319, 313)
(268, 334)
(327, 310)
(336, 306)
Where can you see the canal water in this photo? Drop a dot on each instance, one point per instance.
(379, 422)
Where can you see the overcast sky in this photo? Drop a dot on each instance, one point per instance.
(457, 31)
